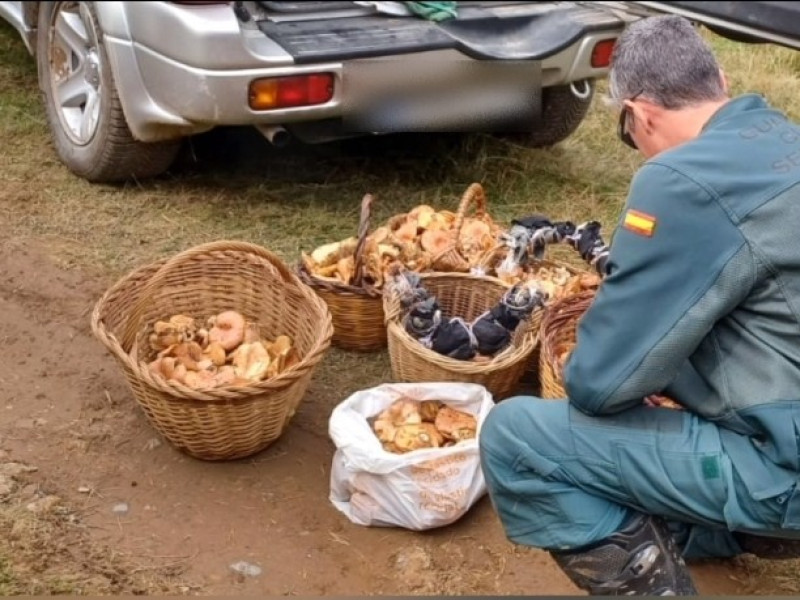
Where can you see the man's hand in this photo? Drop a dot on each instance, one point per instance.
(654, 400)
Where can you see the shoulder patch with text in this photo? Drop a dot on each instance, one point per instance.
(639, 222)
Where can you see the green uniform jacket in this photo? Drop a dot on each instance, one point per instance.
(702, 299)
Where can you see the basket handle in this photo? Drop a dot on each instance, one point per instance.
(474, 193)
(363, 230)
(132, 326)
(488, 258)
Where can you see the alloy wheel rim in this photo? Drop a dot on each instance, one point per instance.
(75, 70)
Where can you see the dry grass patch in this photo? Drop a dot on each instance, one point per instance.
(46, 549)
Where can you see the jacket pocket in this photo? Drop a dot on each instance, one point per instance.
(685, 486)
(791, 518)
(529, 461)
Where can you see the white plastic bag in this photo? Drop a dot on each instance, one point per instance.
(417, 490)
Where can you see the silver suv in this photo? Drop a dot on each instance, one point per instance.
(124, 82)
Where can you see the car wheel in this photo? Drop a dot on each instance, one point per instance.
(562, 111)
(83, 109)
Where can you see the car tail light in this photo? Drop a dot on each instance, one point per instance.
(286, 92)
(601, 53)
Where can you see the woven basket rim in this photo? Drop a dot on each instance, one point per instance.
(492, 255)
(336, 287)
(563, 312)
(502, 361)
(225, 394)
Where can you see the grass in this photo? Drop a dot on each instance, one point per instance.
(231, 184)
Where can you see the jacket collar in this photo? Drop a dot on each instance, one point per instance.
(742, 103)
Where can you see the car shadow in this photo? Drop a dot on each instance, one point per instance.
(241, 155)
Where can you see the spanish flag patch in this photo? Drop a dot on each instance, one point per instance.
(639, 222)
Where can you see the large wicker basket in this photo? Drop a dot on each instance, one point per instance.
(356, 310)
(227, 422)
(453, 259)
(558, 330)
(467, 296)
(489, 265)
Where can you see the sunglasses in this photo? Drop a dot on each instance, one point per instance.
(622, 126)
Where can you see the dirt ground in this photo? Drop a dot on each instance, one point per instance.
(67, 411)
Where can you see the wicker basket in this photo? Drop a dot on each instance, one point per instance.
(356, 310)
(491, 261)
(489, 264)
(227, 422)
(558, 327)
(532, 373)
(452, 259)
(467, 296)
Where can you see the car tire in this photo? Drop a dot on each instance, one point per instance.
(562, 113)
(88, 126)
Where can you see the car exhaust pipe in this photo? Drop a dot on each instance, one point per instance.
(277, 135)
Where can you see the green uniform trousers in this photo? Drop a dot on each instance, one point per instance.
(560, 479)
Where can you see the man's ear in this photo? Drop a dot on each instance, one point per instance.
(724, 79)
(642, 114)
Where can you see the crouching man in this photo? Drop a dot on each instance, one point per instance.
(700, 303)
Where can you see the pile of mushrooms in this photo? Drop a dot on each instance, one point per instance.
(410, 241)
(225, 350)
(337, 262)
(430, 232)
(408, 425)
(558, 282)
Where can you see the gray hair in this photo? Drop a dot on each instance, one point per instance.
(665, 60)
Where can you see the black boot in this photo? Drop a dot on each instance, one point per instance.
(769, 548)
(642, 559)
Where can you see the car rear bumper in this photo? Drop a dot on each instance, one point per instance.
(192, 72)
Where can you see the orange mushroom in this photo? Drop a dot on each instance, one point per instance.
(189, 354)
(215, 353)
(420, 209)
(251, 333)
(345, 269)
(428, 409)
(227, 329)
(473, 231)
(380, 235)
(291, 359)
(416, 437)
(179, 328)
(179, 374)
(330, 253)
(199, 380)
(251, 361)
(281, 344)
(422, 215)
(435, 241)
(455, 424)
(407, 232)
(225, 375)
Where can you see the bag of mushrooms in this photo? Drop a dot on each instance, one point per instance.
(407, 454)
